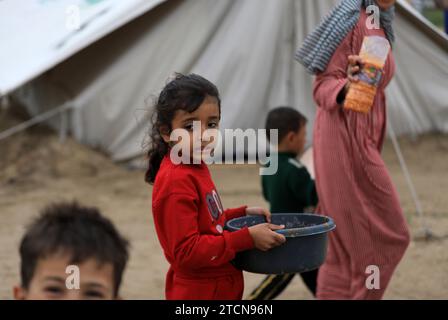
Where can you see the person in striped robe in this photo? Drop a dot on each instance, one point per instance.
(353, 184)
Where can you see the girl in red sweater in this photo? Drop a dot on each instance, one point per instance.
(188, 213)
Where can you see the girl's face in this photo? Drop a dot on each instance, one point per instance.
(385, 4)
(206, 117)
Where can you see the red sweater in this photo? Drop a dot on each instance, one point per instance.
(189, 220)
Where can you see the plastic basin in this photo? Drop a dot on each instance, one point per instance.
(305, 248)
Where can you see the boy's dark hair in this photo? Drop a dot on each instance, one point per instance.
(184, 92)
(285, 120)
(81, 232)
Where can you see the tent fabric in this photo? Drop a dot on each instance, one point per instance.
(247, 49)
(47, 32)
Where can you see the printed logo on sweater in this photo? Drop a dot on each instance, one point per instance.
(214, 204)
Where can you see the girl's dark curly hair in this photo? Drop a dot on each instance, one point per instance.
(184, 92)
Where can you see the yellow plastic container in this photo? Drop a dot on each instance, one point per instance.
(361, 95)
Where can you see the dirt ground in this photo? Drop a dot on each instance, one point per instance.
(35, 169)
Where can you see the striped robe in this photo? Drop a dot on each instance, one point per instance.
(353, 183)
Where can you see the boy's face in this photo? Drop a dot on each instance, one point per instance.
(49, 280)
(208, 115)
(299, 139)
(294, 141)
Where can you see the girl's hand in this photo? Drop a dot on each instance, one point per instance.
(257, 211)
(265, 238)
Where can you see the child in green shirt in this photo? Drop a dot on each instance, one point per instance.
(291, 189)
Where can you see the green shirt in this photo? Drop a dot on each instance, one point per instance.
(291, 189)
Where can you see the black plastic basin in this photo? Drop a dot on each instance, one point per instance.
(305, 248)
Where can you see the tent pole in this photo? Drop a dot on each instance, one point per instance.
(63, 127)
(37, 119)
(427, 234)
(4, 102)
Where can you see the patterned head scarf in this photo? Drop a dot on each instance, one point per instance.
(319, 46)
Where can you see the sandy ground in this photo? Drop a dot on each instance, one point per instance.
(35, 169)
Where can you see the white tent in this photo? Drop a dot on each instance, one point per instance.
(124, 51)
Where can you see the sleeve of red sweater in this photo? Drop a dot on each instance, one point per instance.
(235, 213)
(177, 222)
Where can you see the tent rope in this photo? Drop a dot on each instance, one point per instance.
(40, 118)
(427, 234)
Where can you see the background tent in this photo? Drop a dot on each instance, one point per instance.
(123, 53)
